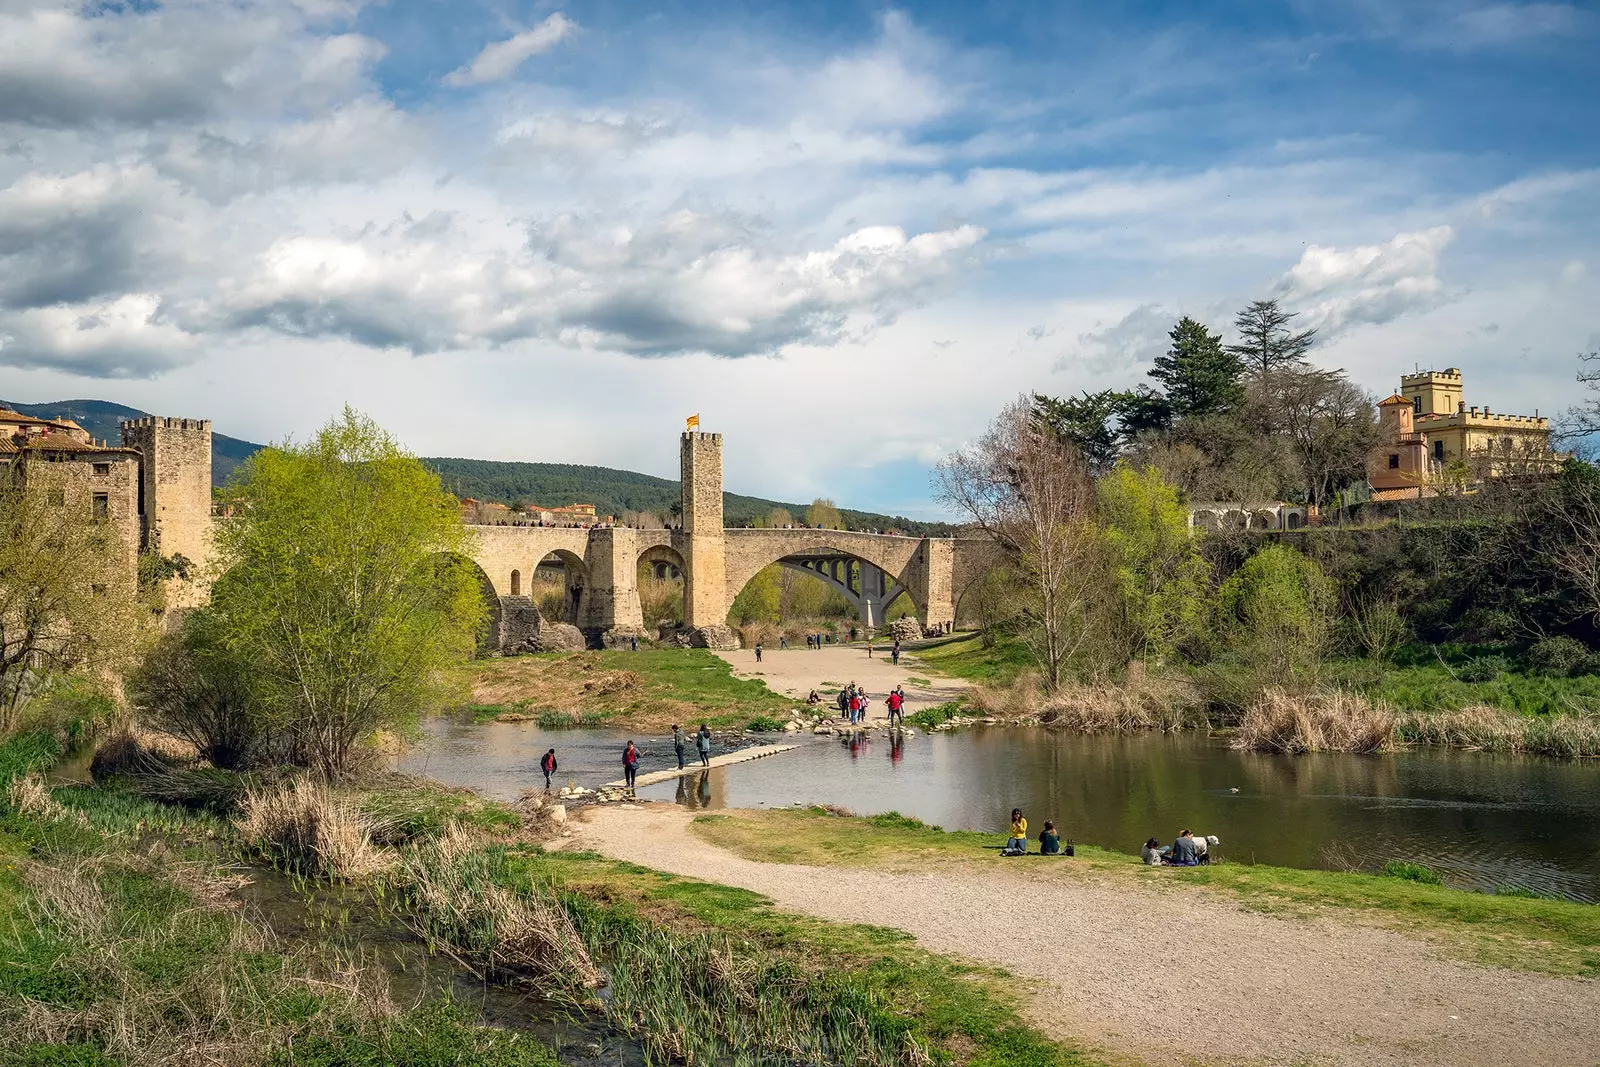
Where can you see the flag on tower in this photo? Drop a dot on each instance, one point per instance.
(692, 422)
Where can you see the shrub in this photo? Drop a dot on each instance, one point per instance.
(1483, 669)
(1275, 612)
(304, 827)
(193, 689)
(1556, 656)
(935, 715)
(1412, 872)
(765, 724)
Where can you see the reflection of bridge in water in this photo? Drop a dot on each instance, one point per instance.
(602, 564)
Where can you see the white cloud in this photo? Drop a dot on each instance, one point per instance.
(1340, 288)
(500, 59)
(125, 337)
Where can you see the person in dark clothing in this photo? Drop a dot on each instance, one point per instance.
(1184, 853)
(678, 743)
(702, 743)
(547, 764)
(1049, 840)
(758, 651)
(894, 654)
(630, 764)
(634, 643)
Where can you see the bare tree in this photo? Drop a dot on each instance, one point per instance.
(1577, 556)
(1582, 421)
(1031, 491)
(1329, 424)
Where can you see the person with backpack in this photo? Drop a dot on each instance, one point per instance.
(702, 742)
(678, 742)
(758, 651)
(547, 764)
(630, 764)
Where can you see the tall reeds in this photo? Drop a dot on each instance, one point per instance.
(1316, 722)
(1144, 703)
(304, 826)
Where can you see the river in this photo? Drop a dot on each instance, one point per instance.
(1483, 821)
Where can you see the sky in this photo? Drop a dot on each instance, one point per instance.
(844, 234)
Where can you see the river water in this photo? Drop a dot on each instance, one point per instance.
(1484, 821)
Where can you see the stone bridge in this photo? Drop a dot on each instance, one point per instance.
(602, 563)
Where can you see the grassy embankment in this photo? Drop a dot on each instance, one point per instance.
(1511, 929)
(650, 689)
(1364, 707)
(119, 945)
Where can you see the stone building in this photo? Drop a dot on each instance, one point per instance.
(93, 480)
(1427, 430)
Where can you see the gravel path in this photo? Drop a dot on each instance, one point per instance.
(1131, 969)
(797, 671)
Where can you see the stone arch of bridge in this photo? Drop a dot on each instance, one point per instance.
(836, 573)
(575, 586)
(748, 551)
(660, 556)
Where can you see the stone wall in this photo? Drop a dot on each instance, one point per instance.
(705, 600)
(87, 482)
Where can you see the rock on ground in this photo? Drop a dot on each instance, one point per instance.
(559, 637)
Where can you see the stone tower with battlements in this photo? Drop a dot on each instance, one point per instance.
(705, 592)
(175, 490)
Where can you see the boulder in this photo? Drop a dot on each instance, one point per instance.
(623, 637)
(906, 629)
(560, 637)
(716, 637)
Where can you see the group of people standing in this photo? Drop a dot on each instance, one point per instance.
(853, 702)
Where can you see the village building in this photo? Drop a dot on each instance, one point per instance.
(1430, 441)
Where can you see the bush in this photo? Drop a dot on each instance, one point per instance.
(1556, 657)
(1483, 669)
(936, 715)
(193, 689)
(1412, 872)
(765, 724)
(1274, 612)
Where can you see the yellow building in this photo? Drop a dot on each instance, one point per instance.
(1440, 437)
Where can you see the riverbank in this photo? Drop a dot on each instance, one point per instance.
(1272, 965)
(135, 943)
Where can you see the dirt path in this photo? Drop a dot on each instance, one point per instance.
(1132, 969)
(797, 671)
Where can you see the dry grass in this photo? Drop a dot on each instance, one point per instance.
(1143, 703)
(304, 826)
(1318, 722)
(29, 796)
(1492, 730)
(457, 903)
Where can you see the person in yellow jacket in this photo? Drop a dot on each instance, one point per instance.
(1018, 842)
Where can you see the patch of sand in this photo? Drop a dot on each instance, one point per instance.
(1168, 977)
(797, 671)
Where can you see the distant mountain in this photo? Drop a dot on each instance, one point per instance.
(551, 484)
(614, 491)
(103, 420)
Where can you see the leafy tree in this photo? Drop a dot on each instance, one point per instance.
(1265, 340)
(1328, 423)
(758, 600)
(1141, 411)
(1160, 577)
(1086, 423)
(69, 601)
(347, 587)
(1199, 376)
(1276, 612)
(823, 513)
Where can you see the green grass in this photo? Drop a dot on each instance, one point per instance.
(935, 715)
(1431, 687)
(651, 688)
(1412, 872)
(891, 984)
(1544, 935)
(965, 657)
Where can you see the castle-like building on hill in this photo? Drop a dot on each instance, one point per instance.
(152, 490)
(1429, 440)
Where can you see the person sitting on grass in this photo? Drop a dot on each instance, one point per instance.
(1017, 843)
(1049, 840)
(814, 698)
(1184, 852)
(1151, 853)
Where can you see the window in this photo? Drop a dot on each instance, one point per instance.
(1416, 404)
(1394, 462)
(102, 468)
(102, 505)
(1438, 450)
(516, 583)
(56, 497)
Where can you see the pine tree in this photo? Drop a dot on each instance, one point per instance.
(1200, 376)
(1265, 340)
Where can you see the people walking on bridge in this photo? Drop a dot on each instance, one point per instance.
(630, 764)
(547, 764)
(702, 743)
(678, 743)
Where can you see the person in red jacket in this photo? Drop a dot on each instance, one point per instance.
(630, 763)
(547, 764)
(895, 701)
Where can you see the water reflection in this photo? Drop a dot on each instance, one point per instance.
(1484, 820)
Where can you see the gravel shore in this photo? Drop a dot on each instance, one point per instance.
(1168, 977)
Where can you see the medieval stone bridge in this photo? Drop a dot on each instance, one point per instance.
(602, 564)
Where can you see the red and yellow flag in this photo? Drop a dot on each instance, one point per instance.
(691, 422)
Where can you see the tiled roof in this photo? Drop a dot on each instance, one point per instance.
(1395, 399)
(62, 442)
(1408, 492)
